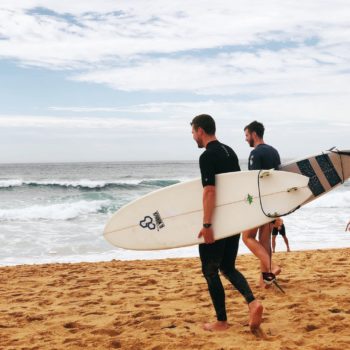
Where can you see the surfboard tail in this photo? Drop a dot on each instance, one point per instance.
(345, 162)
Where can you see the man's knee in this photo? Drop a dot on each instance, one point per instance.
(249, 235)
(227, 271)
(210, 270)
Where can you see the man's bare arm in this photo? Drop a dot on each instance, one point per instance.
(209, 196)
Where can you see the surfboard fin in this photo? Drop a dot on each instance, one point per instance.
(292, 189)
(265, 173)
(274, 215)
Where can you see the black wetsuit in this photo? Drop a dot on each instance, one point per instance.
(221, 255)
(281, 231)
(264, 157)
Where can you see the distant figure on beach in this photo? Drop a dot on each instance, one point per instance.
(348, 227)
(265, 157)
(279, 228)
(221, 254)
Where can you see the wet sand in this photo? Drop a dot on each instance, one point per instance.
(162, 304)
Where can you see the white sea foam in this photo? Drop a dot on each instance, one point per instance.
(63, 211)
(86, 183)
(11, 183)
(82, 183)
(339, 199)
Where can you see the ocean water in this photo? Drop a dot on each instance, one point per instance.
(57, 212)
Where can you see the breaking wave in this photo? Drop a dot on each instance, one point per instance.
(88, 184)
(62, 211)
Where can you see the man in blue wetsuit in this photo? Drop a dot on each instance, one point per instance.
(221, 254)
(266, 157)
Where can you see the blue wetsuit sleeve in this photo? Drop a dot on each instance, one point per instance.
(207, 167)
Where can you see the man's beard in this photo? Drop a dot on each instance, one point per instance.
(200, 144)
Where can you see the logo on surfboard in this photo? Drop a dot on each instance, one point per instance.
(152, 223)
(250, 199)
(147, 222)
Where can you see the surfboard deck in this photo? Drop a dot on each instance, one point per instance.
(172, 217)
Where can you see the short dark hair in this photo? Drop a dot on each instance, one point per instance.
(257, 127)
(206, 122)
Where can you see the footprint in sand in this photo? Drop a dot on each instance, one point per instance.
(311, 327)
(115, 344)
(109, 332)
(74, 326)
(35, 318)
(149, 282)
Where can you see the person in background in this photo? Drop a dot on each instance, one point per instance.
(348, 227)
(279, 228)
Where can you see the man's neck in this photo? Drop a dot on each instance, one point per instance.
(209, 139)
(258, 142)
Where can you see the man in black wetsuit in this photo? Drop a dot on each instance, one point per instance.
(221, 254)
(266, 157)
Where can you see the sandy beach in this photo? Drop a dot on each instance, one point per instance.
(162, 304)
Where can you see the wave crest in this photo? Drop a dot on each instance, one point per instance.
(88, 184)
(62, 211)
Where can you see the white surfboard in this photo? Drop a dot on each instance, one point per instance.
(172, 217)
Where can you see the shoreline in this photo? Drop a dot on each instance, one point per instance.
(161, 304)
(111, 256)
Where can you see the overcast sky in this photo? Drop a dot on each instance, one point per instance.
(102, 80)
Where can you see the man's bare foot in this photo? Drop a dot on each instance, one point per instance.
(255, 315)
(216, 326)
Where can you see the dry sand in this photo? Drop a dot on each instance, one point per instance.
(162, 305)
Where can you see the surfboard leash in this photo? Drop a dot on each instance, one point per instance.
(272, 216)
(278, 286)
(275, 280)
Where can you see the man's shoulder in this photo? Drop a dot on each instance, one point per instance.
(227, 147)
(264, 149)
(206, 155)
(255, 153)
(272, 148)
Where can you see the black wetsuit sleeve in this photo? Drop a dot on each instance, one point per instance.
(207, 167)
(254, 161)
(274, 231)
